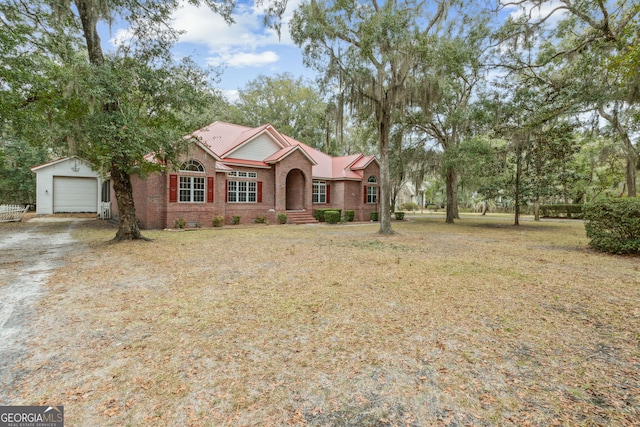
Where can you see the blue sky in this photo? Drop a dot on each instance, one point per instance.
(243, 50)
(246, 49)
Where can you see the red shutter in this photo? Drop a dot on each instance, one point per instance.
(259, 191)
(364, 190)
(209, 189)
(173, 188)
(328, 194)
(226, 191)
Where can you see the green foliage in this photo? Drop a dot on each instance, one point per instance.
(399, 215)
(217, 221)
(601, 162)
(17, 182)
(369, 52)
(373, 216)
(294, 107)
(562, 210)
(332, 216)
(282, 218)
(179, 223)
(319, 214)
(349, 215)
(235, 220)
(613, 225)
(409, 206)
(477, 161)
(60, 90)
(260, 219)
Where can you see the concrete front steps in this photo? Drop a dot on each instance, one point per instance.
(300, 217)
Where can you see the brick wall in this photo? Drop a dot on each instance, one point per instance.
(303, 191)
(247, 211)
(154, 209)
(349, 195)
(149, 198)
(199, 213)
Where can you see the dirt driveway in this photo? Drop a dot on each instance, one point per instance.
(29, 253)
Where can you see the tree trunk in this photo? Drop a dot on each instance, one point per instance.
(536, 211)
(454, 189)
(517, 196)
(452, 193)
(630, 151)
(632, 166)
(129, 228)
(89, 18)
(385, 196)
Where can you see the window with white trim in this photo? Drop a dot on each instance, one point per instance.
(372, 190)
(191, 189)
(243, 174)
(242, 192)
(192, 166)
(319, 192)
(372, 194)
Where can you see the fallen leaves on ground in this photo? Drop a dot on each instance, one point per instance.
(479, 323)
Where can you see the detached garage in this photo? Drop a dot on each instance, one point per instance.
(67, 185)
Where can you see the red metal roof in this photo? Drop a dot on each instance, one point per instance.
(222, 139)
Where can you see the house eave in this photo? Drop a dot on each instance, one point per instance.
(321, 178)
(205, 148)
(245, 165)
(58, 161)
(293, 150)
(373, 159)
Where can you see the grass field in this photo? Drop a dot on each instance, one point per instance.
(474, 324)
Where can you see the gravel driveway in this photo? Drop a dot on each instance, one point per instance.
(29, 253)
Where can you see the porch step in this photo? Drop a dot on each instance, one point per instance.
(300, 217)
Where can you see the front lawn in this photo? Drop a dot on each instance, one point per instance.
(479, 323)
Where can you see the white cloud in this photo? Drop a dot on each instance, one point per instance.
(244, 59)
(121, 36)
(232, 95)
(241, 44)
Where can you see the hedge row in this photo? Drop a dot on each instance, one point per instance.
(321, 214)
(562, 210)
(613, 225)
(332, 217)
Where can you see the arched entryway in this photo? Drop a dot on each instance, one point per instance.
(295, 190)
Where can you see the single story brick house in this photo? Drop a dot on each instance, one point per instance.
(233, 170)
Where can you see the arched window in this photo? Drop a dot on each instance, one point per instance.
(192, 166)
(191, 188)
(371, 190)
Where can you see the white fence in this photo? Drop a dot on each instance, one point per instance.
(105, 210)
(9, 213)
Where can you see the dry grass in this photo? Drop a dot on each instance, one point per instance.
(479, 323)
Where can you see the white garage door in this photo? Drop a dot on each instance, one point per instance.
(75, 194)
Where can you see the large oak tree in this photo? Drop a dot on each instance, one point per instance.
(369, 48)
(113, 109)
